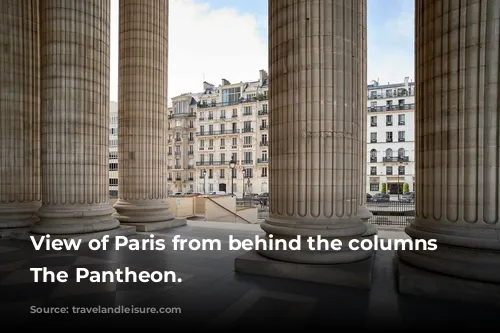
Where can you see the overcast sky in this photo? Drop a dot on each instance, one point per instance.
(214, 39)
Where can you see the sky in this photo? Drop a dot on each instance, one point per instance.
(214, 39)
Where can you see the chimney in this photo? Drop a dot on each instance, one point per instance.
(406, 80)
(262, 76)
(225, 82)
(207, 86)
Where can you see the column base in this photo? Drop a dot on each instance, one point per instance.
(153, 226)
(143, 211)
(75, 219)
(342, 229)
(18, 214)
(356, 275)
(419, 282)
(85, 238)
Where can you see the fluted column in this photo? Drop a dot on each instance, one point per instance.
(316, 62)
(19, 114)
(74, 48)
(457, 138)
(142, 112)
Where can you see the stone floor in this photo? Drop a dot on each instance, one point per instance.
(211, 295)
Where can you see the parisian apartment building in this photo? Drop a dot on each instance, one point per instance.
(391, 137)
(223, 123)
(229, 122)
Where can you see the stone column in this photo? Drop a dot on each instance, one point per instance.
(142, 112)
(317, 60)
(74, 48)
(457, 139)
(19, 114)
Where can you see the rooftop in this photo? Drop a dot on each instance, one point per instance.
(212, 295)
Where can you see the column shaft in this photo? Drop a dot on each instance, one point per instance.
(74, 39)
(457, 138)
(20, 114)
(317, 65)
(142, 113)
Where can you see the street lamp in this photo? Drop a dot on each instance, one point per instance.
(232, 165)
(244, 173)
(204, 181)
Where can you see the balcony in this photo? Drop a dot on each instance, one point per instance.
(373, 160)
(262, 160)
(190, 152)
(396, 159)
(263, 112)
(391, 108)
(247, 113)
(178, 178)
(401, 123)
(247, 130)
(401, 139)
(221, 132)
(388, 139)
(246, 162)
(373, 124)
(205, 163)
(177, 167)
(264, 144)
(177, 153)
(263, 127)
(389, 123)
(169, 178)
(190, 166)
(190, 179)
(373, 140)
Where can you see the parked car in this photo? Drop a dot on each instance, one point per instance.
(380, 197)
(408, 197)
(368, 197)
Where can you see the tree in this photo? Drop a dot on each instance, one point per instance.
(406, 188)
(384, 188)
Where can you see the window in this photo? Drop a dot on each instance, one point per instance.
(401, 119)
(113, 181)
(233, 173)
(373, 155)
(388, 136)
(388, 120)
(401, 170)
(202, 129)
(235, 142)
(222, 114)
(222, 174)
(191, 124)
(191, 136)
(222, 128)
(388, 170)
(235, 113)
(401, 136)
(247, 140)
(373, 171)
(230, 96)
(263, 124)
(234, 157)
(211, 129)
(211, 158)
(113, 166)
(264, 108)
(401, 152)
(247, 111)
(264, 138)
(373, 121)
(202, 159)
(222, 142)
(247, 126)
(210, 115)
(373, 104)
(191, 149)
(210, 173)
(264, 156)
(248, 173)
(202, 115)
(211, 143)
(248, 157)
(373, 137)
(374, 187)
(202, 143)
(210, 187)
(264, 172)
(235, 128)
(388, 153)
(170, 150)
(235, 187)
(222, 158)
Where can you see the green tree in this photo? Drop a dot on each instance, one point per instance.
(384, 188)
(406, 188)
